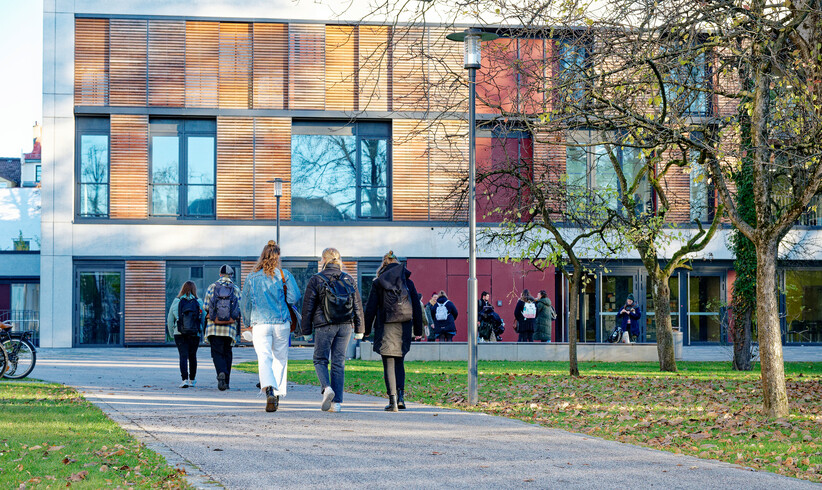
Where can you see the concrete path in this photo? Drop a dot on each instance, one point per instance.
(226, 438)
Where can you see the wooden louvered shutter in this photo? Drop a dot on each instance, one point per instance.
(409, 77)
(166, 63)
(235, 65)
(272, 159)
(270, 73)
(235, 168)
(409, 188)
(374, 68)
(448, 83)
(91, 62)
(306, 66)
(340, 68)
(350, 266)
(202, 63)
(129, 167)
(128, 62)
(448, 153)
(145, 306)
(549, 155)
(246, 267)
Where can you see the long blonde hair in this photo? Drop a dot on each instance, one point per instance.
(332, 256)
(269, 260)
(387, 260)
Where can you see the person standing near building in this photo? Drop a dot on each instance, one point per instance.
(394, 312)
(185, 324)
(445, 314)
(485, 300)
(629, 315)
(525, 312)
(267, 294)
(222, 308)
(429, 311)
(545, 318)
(427, 319)
(331, 309)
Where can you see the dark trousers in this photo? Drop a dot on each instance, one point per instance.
(526, 337)
(331, 342)
(393, 369)
(187, 349)
(222, 355)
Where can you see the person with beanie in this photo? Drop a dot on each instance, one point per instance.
(629, 315)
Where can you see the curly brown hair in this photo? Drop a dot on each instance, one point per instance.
(269, 260)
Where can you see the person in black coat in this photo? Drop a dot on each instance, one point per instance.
(524, 326)
(392, 339)
(444, 327)
(629, 316)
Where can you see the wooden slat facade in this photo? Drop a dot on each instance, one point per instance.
(128, 62)
(202, 59)
(235, 168)
(128, 170)
(448, 169)
(272, 159)
(350, 266)
(374, 68)
(235, 66)
(410, 176)
(448, 82)
(91, 62)
(145, 312)
(341, 68)
(409, 69)
(270, 66)
(166, 63)
(306, 66)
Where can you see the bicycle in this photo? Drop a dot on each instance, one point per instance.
(4, 360)
(20, 352)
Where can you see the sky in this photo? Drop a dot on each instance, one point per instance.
(21, 87)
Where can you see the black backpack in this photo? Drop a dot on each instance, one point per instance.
(224, 308)
(188, 317)
(337, 299)
(615, 335)
(397, 304)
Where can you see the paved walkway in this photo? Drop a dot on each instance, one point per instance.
(227, 438)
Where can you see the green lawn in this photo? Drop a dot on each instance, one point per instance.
(51, 437)
(706, 410)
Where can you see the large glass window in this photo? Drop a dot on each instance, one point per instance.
(650, 311)
(687, 82)
(704, 303)
(339, 171)
(92, 167)
(615, 291)
(572, 54)
(202, 274)
(100, 311)
(183, 168)
(803, 305)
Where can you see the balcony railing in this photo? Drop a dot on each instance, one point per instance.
(23, 320)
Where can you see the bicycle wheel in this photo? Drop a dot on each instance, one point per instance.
(4, 361)
(21, 358)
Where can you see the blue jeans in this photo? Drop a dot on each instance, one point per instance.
(331, 342)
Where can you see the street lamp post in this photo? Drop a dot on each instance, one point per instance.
(472, 39)
(278, 193)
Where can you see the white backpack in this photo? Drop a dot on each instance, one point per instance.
(441, 314)
(529, 310)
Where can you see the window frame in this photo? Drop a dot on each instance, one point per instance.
(91, 126)
(38, 171)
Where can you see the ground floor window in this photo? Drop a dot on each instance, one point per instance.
(803, 305)
(99, 319)
(20, 305)
(705, 302)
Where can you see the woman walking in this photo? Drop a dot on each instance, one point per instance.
(393, 311)
(267, 294)
(185, 322)
(332, 308)
(545, 318)
(525, 312)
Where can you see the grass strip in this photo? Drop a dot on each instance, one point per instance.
(706, 410)
(51, 437)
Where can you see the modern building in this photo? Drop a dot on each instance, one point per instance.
(165, 123)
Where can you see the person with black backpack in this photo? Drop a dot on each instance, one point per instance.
(395, 314)
(491, 325)
(222, 307)
(185, 323)
(332, 308)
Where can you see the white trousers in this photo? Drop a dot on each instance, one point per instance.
(271, 344)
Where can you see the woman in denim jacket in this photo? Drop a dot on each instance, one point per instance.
(264, 307)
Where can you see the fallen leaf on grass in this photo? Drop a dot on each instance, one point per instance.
(68, 460)
(104, 468)
(79, 476)
(55, 448)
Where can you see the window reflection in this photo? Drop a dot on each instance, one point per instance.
(93, 175)
(803, 305)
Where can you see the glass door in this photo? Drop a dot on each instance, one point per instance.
(705, 294)
(615, 290)
(99, 308)
(650, 309)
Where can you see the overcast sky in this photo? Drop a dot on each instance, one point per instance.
(21, 65)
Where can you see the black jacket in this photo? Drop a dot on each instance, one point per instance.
(312, 310)
(447, 325)
(524, 325)
(375, 312)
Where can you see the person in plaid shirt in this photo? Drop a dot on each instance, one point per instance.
(221, 337)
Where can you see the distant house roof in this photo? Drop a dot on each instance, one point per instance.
(10, 170)
(35, 153)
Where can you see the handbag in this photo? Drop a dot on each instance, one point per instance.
(295, 315)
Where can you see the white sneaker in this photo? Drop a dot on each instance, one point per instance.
(192, 383)
(336, 407)
(184, 384)
(328, 397)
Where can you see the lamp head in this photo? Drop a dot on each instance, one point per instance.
(472, 39)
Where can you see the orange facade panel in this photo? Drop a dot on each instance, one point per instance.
(448, 169)
(235, 66)
(410, 170)
(129, 167)
(128, 63)
(270, 66)
(91, 62)
(374, 68)
(497, 79)
(145, 303)
(272, 159)
(341, 68)
(202, 59)
(306, 66)
(409, 69)
(535, 61)
(235, 168)
(166, 63)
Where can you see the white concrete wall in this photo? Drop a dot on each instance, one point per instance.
(28, 173)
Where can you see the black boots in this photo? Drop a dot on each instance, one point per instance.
(222, 384)
(392, 404)
(401, 399)
(272, 401)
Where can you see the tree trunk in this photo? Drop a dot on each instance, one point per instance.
(573, 322)
(774, 393)
(664, 332)
(743, 326)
